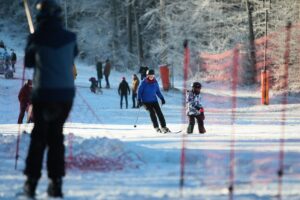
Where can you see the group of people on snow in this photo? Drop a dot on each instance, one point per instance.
(52, 96)
(6, 59)
(96, 85)
(124, 91)
(101, 72)
(146, 94)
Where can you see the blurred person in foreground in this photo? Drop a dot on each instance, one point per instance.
(50, 51)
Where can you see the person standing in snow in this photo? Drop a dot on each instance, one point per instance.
(24, 99)
(7, 60)
(13, 59)
(147, 96)
(195, 109)
(143, 71)
(99, 71)
(123, 91)
(106, 72)
(135, 85)
(51, 51)
(2, 45)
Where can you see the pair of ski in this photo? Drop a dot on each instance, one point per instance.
(21, 196)
(171, 132)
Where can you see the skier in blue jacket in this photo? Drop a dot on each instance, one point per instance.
(147, 96)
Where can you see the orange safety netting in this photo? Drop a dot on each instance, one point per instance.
(218, 67)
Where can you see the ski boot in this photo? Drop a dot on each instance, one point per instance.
(55, 188)
(157, 129)
(202, 130)
(190, 129)
(30, 187)
(165, 130)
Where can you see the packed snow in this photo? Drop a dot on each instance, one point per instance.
(108, 158)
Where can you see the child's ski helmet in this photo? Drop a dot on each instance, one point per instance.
(196, 85)
(150, 72)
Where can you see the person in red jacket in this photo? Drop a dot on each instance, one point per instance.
(24, 99)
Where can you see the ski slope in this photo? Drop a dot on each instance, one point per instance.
(109, 158)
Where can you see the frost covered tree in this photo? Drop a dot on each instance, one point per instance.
(131, 31)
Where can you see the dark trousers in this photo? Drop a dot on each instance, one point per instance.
(134, 96)
(47, 133)
(107, 81)
(99, 82)
(199, 119)
(23, 107)
(154, 110)
(13, 65)
(126, 100)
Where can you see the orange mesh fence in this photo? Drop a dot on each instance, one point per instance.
(218, 67)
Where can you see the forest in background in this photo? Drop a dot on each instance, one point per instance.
(151, 32)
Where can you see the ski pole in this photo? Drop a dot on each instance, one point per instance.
(31, 29)
(17, 147)
(28, 16)
(137, 117)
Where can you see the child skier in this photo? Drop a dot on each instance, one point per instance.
(195, 109)
(147, 92)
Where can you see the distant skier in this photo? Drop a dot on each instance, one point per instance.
(106, 72)
(50, 51)
(195, 109)
(24, 99)
(134, 88)
(7, 60)
(13, 58)
(99, 71)
(2, 45)
(147, 96)
(123, 91)
(143, 71)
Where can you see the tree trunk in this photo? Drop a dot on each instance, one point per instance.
(115, 30)
(129, 26)
(251, 71)
(138, 33)
(163, 55)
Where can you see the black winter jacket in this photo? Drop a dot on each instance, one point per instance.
(124, 88)
(51, 51)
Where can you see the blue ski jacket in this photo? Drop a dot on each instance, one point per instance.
(148, 90)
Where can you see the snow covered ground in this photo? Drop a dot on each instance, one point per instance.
(109, 158)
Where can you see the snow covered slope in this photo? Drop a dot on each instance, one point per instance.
(108, 158)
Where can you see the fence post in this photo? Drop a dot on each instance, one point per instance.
(264, 76)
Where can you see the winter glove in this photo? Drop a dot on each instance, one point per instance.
(163, 101)
(201, 110)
